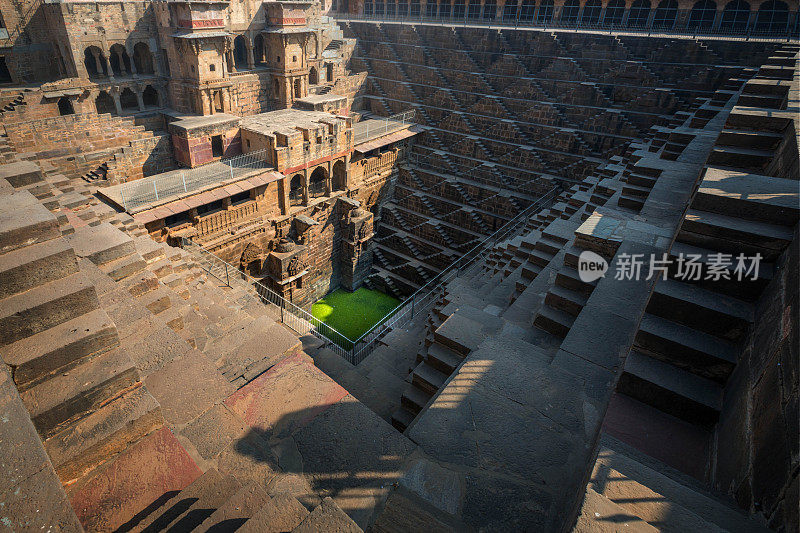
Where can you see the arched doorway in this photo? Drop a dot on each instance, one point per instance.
(316, 184)
(665, 14)
(128, 100)
(569, 13)
(313, 77)
(143, 59)
(258, 49)
(735, 15)
(703, 14)
(591, 12)
(65, 106)
(120, 62)
(639, 13)
(104, 103)
(615, 10)
(545, 13)
(239, 53)
(150, 97)
(339, 176)
(773, 16)
(296, 190)
(94, 62)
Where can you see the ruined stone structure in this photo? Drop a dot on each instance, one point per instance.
(158, 158)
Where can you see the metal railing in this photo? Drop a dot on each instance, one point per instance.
(294, 317)
(683, 24)
(304, 323)
(144, 191)
(372, 128)
(423, 297)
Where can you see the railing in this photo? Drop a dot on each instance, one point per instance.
(144, 191)
(428, 293)
(304, 323)
(371, 128)
(683, 23)
(294, 317)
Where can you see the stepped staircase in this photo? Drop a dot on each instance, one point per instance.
(630, 491)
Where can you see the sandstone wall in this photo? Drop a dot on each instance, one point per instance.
(757, 456)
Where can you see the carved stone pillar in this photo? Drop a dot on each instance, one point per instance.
(285, 268)
(117, 104)
(356, 244)
(140, 100)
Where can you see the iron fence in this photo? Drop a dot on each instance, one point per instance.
(354, 351)
(294, 317)
(371, 128)
(144, 191)
(683, 24)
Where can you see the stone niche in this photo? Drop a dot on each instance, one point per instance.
(286, 267)
(356, 244)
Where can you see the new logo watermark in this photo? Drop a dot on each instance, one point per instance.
(685, 267)
(591, 266)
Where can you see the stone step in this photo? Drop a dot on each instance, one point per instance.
(548, 245)
(711, 312)
(427, 378)
(699, 353)
(749, 287)
(282, 513)
(237, 510)
(570, 279)
(643, 490)
(150, 250)
(34, 357)
(630, 202)
(600, 515)
(402, 418)
(158, 300)
(635, 191)
(553, 321)
(91, 441)
(102, 243)
(69, 395)
(29, 267)
(124, 267)
(24, 222)
(530, 271)
(540, 258)
(414, 399)
(327, 516)
(569, 301)
(744, 158)
(749, 196)
(45, 306)
(190, 507)
(760, 140)
(670, 389)
(443, 359)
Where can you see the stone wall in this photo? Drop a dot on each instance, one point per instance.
(757, 457)
(31, 56)
(76, 144)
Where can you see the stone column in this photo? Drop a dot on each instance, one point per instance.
(305, 186)
(139, 100)
(133, 63)
(251, 63)
(117, 104)
(108, 66)
(97, 63)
